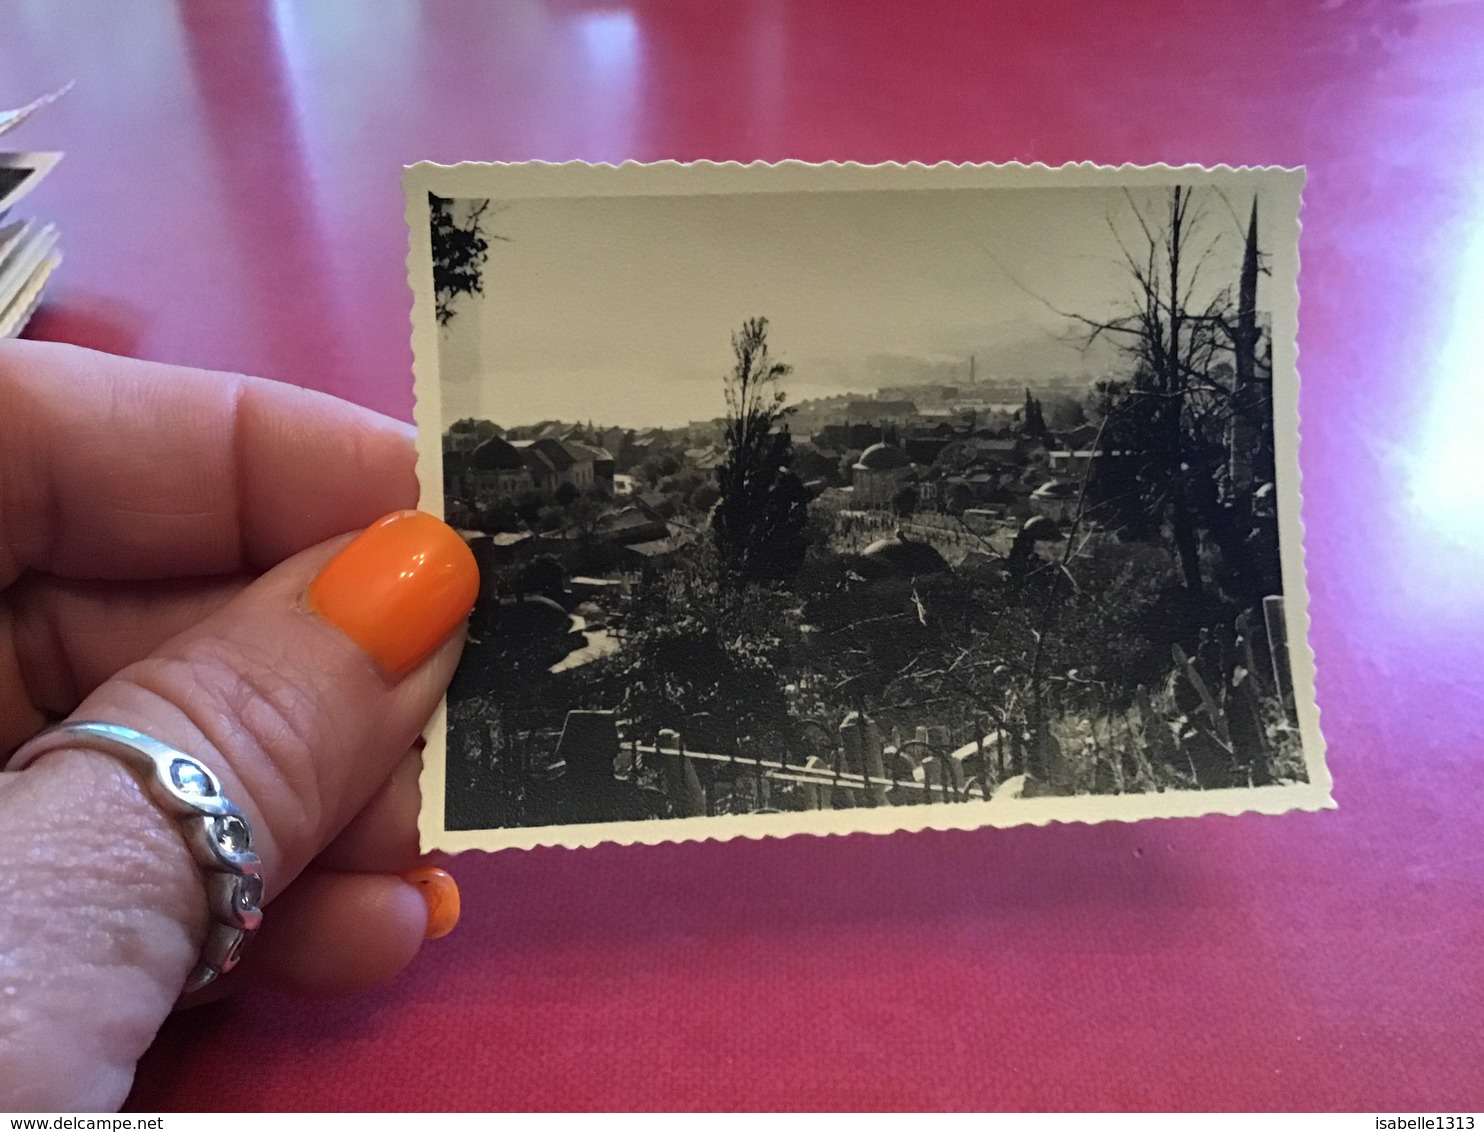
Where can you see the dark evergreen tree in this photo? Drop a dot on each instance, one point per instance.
(543, 575)
(904, 500)
(1032, 421)
(760, 519)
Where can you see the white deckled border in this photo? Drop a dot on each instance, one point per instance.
(578, 179)
(38, 164)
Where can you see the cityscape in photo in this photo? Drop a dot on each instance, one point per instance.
(792, 502)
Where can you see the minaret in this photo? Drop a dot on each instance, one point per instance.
(1246, 401)
(1245, 345)
(971, 369)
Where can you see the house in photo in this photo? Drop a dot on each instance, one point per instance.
(809, 463)
(881, 412)
(497, 469)
(466, 435)
(613, 439)
(706, 457)
(552, 462)
(925, 450)
(845, 437)
(987, 446)
(1073, 463)
(602, 460)
(648, 443)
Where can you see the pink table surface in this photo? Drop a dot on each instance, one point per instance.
(230, 199)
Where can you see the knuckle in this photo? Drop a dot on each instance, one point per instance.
(261, 722)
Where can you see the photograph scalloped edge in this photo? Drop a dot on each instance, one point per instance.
(1313, 796)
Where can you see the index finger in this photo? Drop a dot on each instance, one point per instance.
(113, 468)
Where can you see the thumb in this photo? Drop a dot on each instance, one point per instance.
(302, 694)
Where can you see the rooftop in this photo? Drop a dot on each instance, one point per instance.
(496, 455)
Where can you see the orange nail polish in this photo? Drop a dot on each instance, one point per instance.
(441, 894)
(399, 588)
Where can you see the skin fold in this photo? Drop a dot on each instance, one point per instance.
(159, 530)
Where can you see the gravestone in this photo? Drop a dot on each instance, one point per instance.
(589, 748)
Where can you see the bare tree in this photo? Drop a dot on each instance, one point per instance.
(1193, 398)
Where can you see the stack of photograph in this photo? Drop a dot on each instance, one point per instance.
(29, 252)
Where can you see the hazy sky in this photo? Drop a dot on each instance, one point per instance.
(620, 309)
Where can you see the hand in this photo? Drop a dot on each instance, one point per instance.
(173, 559)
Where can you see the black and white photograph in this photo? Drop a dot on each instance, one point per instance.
(20, 173)
(833, 498)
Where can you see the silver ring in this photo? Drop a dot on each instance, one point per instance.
(216, 831)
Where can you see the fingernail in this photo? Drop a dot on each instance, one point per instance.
(441, 894)
(398, 589)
